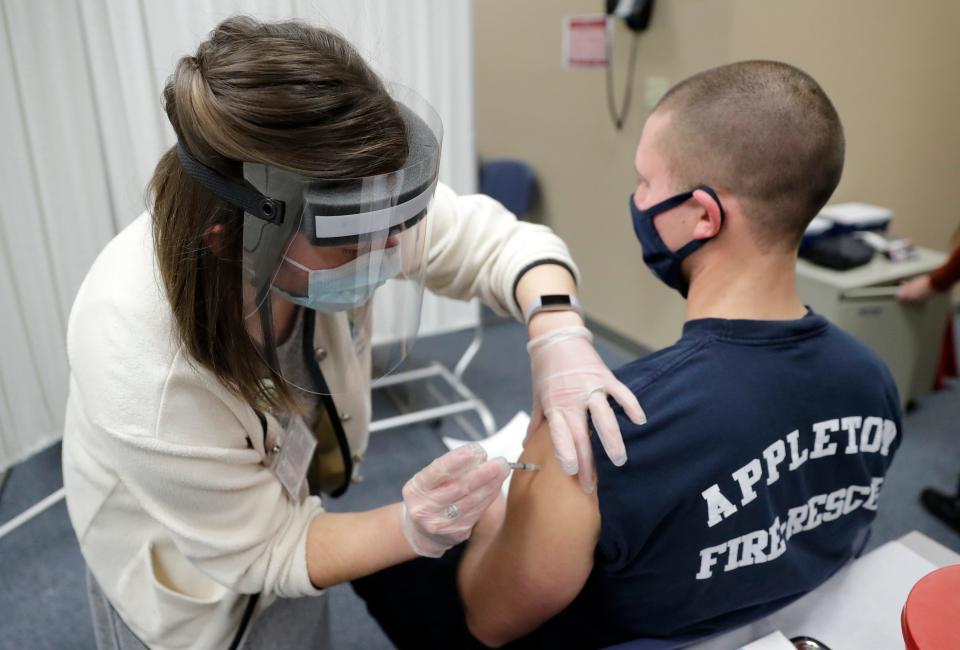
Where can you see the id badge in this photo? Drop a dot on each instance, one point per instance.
(294, 457)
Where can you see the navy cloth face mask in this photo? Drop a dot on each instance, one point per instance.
(664, 263)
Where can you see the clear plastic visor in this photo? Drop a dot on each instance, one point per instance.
(342, 245)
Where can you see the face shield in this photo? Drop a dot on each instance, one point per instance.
(329, 245)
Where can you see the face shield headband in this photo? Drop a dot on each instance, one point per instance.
(333, 212)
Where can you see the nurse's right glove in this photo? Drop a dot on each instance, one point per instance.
(443, 501)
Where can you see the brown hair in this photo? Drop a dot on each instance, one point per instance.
(283, 94)
(764, 131)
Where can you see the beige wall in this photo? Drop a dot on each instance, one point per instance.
(891, 68)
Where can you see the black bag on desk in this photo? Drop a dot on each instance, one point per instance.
(840, 253)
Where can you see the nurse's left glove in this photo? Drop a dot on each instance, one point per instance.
(443, 501)
(570, 378)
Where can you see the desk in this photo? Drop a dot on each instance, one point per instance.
(859, 607)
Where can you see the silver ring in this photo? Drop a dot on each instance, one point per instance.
(451, 511)
(598, 389)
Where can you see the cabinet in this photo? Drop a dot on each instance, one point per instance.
(863, 302)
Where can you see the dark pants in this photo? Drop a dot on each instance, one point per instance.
(417, 603)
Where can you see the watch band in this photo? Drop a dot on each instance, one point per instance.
(552, 302)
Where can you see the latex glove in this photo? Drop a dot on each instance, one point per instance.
(443, 501)
(569, 378)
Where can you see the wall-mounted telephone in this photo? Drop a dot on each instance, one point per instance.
(636, 13)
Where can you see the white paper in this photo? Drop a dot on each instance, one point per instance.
(859, 607)
(774, 641)
(507, 442)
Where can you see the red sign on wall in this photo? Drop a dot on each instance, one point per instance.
(585, 41)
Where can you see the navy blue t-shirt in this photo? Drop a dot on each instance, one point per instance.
(755, 478)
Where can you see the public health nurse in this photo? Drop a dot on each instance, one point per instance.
(221, 357)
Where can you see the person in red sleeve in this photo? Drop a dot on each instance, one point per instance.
(939, 280)
(945, 507)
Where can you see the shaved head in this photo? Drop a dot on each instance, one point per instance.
(763, 131)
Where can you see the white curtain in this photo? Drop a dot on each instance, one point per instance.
(81, 128)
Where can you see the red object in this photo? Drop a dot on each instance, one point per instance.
(947, 366)
(931, 617)
(585, 41)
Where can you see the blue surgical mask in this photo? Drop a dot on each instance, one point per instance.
(667, 264)
(350, 285)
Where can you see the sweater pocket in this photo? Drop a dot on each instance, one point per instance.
(175, 604)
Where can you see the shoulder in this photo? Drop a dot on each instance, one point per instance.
(121, 322)
(444, 198)
(123, 283)
(663, 368)
(127, 367)
(448, 206)
(673, 386)
(850, 347)
(853, 358)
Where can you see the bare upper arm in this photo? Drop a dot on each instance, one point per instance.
(539, 560)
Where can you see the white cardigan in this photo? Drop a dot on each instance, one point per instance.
(176, 516)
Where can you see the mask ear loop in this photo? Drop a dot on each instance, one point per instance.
(296, 264)
(666, 204)
(690, 247)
